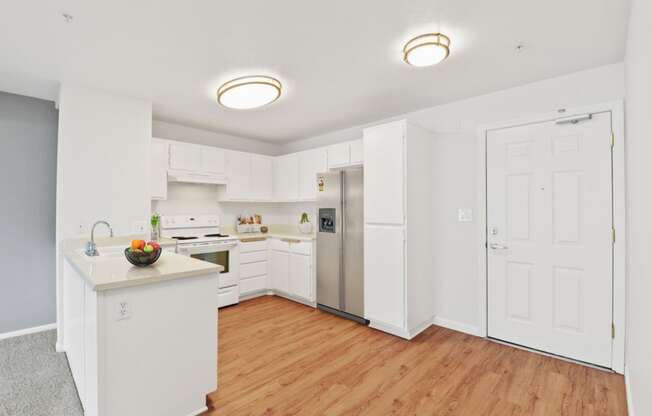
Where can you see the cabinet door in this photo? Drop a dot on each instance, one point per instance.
(279, 270)
(384, 275)
(184, 156)
(311, 163)
(339, 155)
(213, 160)
(356, 149)
(286, 178)
(159, 170)
(300, 276)
(238, 175)
(384, 174)
(261, 177)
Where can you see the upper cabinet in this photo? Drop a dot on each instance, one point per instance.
(249, 177)
(246, 176)
(311, 162)
(286, 178)
(357, 152)
(384, 186)
(159, 169)
(345, 154)
(213, 160)
(238, 175)
(262, 174)
(186, 157)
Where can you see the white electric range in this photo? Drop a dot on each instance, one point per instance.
(199, 236)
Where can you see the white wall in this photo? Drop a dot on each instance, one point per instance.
(455, 169)
(103, 161)
(186, 198)
(172, 131)
(638, 77)
(102, 164)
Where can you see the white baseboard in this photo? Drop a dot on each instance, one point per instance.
(26, 331)
(198, 411)
(390, 329)
(456, 326)
(420, 328)
(628, 394)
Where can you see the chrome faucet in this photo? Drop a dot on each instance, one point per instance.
(91, 248)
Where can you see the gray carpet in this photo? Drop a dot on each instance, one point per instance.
(35, 379)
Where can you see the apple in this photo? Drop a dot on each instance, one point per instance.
(148, 249)
(155, 245)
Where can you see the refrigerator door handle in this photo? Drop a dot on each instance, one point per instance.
(342, 234)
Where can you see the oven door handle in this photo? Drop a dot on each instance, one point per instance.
(203, 248)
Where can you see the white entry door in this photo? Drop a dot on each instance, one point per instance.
(550, 237)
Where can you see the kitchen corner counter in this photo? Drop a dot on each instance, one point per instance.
(113, 271)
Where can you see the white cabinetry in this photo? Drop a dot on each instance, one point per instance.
(291, 268)
(397, 244)
(286, 178)
(253, 267)
(185, 157)
(238, 175)
(345, 154)
(249, 177)
(262, 178)
(159, 169)
(213, 160)
(357, 152)
(311, 162)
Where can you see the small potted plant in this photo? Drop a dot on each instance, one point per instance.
(304, 224)
(155, 222)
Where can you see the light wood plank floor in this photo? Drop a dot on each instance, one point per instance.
(277, 357)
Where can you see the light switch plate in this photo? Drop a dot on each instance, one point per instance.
(464, 215)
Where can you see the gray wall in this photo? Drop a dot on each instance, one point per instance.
(28, 158)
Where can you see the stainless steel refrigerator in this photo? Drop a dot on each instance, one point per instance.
(340, 277)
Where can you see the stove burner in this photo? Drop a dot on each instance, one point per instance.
(184, 238)
(216, 235)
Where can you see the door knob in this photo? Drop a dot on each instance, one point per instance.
(495, 246)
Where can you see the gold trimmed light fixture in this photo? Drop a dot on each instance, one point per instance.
(249, 92)
(426, 50)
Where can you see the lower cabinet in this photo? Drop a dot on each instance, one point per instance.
(280, 270)
(253, 267)
(291, 268)
(282, 265)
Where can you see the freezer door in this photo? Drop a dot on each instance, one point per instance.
(329, 238)
(352, 242)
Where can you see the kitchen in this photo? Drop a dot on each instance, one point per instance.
(428, 216)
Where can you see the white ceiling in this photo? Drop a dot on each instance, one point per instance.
(339, 60)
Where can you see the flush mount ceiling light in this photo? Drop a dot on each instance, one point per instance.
(426, 50)
(249, 92)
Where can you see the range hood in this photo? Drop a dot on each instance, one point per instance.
(191, 177)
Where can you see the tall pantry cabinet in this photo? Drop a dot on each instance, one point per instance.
(398, 281)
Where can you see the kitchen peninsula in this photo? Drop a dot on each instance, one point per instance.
(140, 341)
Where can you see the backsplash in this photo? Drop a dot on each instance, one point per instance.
(187, 198)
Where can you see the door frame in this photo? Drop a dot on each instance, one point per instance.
(619, 216)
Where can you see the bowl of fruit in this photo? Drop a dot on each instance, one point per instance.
(141, 253)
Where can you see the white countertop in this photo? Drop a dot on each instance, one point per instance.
(111, 270)
(288, 236)
(275, 231)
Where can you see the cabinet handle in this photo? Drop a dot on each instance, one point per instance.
(252, 239)
(290, 240)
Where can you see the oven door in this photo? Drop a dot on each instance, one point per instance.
(223, 254)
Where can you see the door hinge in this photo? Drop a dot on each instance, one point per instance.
(613, 235)
(613, 139)
(613, 330)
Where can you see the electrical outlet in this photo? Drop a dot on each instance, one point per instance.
(81, 228)
(124, 310)
(140, 227)
(464, 215)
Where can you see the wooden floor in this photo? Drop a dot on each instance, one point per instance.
(277, 357)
